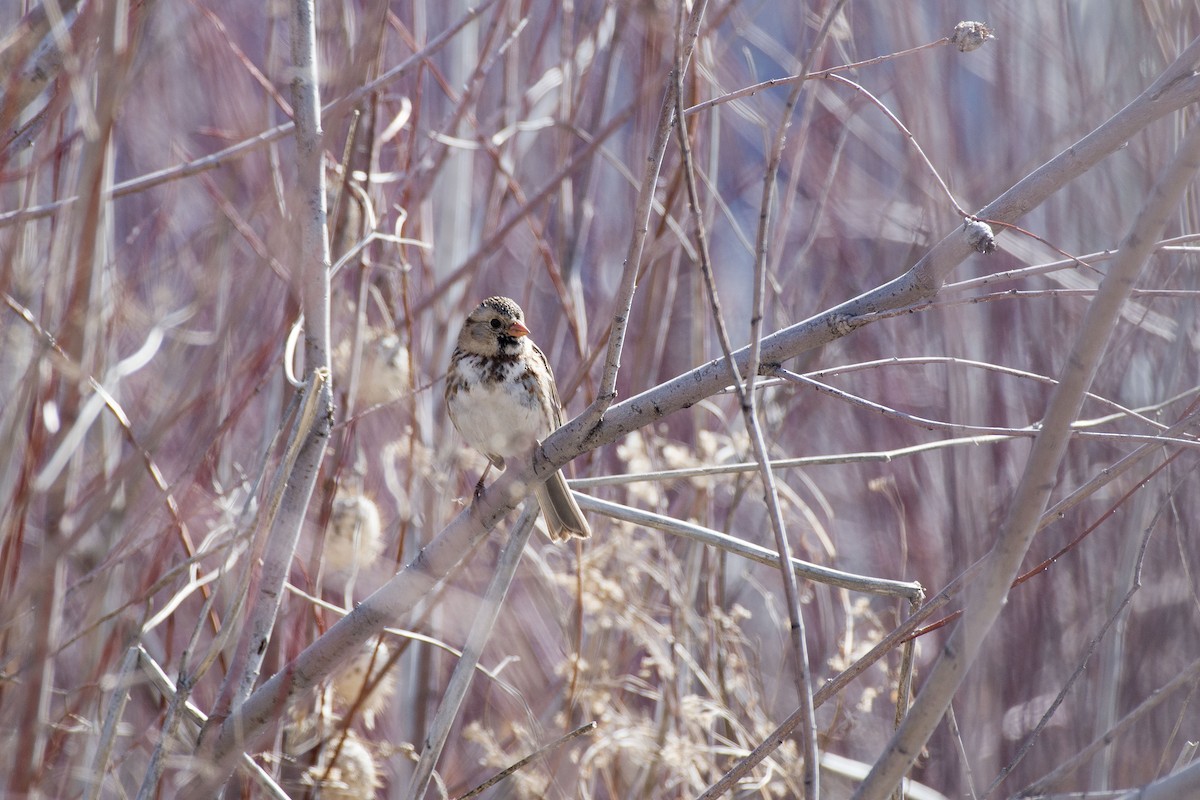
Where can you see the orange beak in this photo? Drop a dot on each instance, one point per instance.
(517, 330)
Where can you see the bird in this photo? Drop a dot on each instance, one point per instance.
(501, 397)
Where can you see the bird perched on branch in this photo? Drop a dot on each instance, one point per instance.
(501, 397)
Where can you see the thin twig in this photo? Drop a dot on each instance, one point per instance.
(800, 665)
(747, 91)
(1135, 583)
(247, 146)
(1071, 263)
(1187, 675)
(623, 301)
(1122, 411)
(739, 467)
(910, 590)
(831, 688)
(887, 112)
(1029, 501)
(477, 639)
(499, 776)
(118, 698)
(912, 625)
(196, 720)
(313, 430)
(1029, 431)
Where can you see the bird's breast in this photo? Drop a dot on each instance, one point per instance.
(496, 406)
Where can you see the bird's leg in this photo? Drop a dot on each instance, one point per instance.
(479, 485)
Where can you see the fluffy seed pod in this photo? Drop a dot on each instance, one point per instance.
(358, 675)
(355, 536)
(970, 36)
(345, 770)
(383, 372)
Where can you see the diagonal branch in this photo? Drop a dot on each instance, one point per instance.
(988, 594)
(464, 670)
(1178, 86)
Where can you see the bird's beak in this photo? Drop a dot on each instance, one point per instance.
(517, 330)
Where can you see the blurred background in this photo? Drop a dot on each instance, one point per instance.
(508, 158)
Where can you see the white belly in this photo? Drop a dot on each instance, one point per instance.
(495, 420)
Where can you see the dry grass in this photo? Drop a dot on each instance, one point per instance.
(508, 160)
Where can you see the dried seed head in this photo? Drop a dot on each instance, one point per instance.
(365, 673)
(970, 36)
(345, 770)
(383, 369)
(980, 236)
(355, 535)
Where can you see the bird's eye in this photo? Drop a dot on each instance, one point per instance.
(495, 324)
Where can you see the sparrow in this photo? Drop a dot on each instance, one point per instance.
(502, 399)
